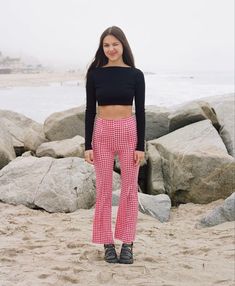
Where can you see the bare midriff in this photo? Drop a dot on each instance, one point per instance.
(114, 111)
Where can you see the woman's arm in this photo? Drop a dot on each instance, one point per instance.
(90, 112)
(140, 109)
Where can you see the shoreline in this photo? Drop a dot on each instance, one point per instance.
(38, 79)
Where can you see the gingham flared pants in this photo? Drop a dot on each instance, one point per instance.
(111, 136)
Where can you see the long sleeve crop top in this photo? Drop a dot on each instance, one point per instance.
(115, 85)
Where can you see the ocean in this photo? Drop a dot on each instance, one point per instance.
(162, 89)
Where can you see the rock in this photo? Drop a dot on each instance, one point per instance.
(225, 109)
(154, 180)
(115, 197)
(195, 164)
(19, 126)
(27, 154)
(192, 112)
(73, 147)
(33, 139)
(156, 121)
(220, 214)
(56, 185)
(223, 105)
(156, 206)
(65, 124)
(7, 152)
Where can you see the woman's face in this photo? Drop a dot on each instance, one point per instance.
(113, 48)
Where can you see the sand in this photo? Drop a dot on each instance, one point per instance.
(39, 248)
(39, 79)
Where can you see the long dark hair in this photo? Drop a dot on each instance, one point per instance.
(100, 59)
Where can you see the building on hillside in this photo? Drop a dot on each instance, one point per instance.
(15, 65)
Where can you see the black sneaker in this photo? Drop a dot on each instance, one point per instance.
(126, 255)
(110, 253)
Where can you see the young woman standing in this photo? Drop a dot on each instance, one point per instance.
(113, 81)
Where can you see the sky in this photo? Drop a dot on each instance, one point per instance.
(164, 35)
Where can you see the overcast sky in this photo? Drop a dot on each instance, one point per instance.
(163, 34)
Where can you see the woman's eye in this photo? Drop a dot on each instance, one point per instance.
(106, 46)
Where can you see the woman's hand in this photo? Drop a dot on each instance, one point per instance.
(88, 155)
(138, 157)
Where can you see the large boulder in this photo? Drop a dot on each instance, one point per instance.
(56, 185)
(189, 113)
(158, 206)
(156, 121)
(73, 147)
(221, 214)
(65, 124)
(33, 139)
(224, 107)
(195, 164)
(155, 179)
(19, 126)
(7, 152)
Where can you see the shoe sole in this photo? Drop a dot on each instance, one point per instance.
(126, 261)
(112, 261)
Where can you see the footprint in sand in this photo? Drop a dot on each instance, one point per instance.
(78, 270)
(187, 251)
(223, 281)
(3, 232)
(68, 278)
(33, 246)
(73, 229)
(143, 269)
(6, 259)
(105, 276)
(50, 229)
(92, 255)
(76, 245)
(12, 252)
(150, 259)
(43, 276)
(61, 268)
(186, 266)
(204, 249)
(26, 237)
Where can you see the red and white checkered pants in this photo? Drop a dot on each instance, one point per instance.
(113, 136)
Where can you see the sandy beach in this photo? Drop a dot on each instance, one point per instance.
(169, 64)
(38, 79)
(41, 248)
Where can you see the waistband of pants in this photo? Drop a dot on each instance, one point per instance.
(126, 119)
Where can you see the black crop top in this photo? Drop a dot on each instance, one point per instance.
(115, 85)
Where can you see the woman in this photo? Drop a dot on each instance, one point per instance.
(114, 82)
